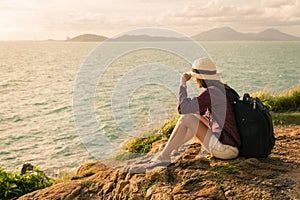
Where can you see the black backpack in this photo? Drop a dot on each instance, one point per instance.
(254, 123)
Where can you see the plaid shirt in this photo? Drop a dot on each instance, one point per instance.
(213, 103)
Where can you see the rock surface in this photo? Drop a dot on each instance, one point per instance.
(190, 177)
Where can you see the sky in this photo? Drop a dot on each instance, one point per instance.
(59, 19)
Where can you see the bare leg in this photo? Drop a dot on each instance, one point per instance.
(186, 128)
(202, 119)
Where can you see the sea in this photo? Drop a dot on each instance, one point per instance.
(133, 93)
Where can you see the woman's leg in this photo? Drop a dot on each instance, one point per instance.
(186, 128)
(203, 120)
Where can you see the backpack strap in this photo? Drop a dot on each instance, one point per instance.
(233, 96)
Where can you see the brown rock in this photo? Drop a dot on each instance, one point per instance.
(68, 190)
(191, 177)
(96, 166)
(158, 191)
(159, 174)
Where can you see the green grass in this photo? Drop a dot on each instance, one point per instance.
(88, 169)
(226, 168)
(64, 177)
(287, 101)
(286, 118)
(284, 107)
(148, 184)
(143, 144)
(13, 185)
(86, 183)
(84, 175)
(219, 173)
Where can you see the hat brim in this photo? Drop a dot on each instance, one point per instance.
(205, 76)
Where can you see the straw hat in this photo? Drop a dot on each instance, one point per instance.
(205, 68)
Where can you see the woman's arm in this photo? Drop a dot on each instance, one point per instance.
(197, 105)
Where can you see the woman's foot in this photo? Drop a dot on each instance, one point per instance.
(159, 161)
(175, 152)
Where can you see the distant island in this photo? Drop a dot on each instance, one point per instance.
(123, 38)
(217, 34)
(144, 37)
(87, 38)
(229, 34)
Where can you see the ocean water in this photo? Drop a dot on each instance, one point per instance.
(37, 80)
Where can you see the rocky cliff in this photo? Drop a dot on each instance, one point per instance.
(190, 176)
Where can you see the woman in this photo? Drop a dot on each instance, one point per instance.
(217, 132)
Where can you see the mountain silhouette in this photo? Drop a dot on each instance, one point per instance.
(87, 38)
(229, 34)
(217, 34)
(144, 37)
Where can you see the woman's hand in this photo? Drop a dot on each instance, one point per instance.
(185, 77)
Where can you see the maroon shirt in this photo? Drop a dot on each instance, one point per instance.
(212, 102)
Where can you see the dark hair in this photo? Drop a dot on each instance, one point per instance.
(216, 83)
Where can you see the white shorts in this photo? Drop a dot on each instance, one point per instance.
(220, 150)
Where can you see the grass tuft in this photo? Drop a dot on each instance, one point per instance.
(143, 144)
(86, 183)
(148, 184)
(227, 168)
(286, 101)
(84, 175)
(286, 118)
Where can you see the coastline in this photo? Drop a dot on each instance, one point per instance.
(192, 177)
(125, 176)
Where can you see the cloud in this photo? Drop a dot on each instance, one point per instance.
(277, 3)
(216, 10)
(67, 17)
(276, 14)
(190, 19)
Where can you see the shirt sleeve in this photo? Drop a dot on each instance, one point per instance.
(197, 104)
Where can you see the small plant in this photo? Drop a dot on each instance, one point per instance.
(90, 164)
(13, 185)
(64, 177)
(284, 102)
(86, 183)
(286, 118)
(227, 168)
(84, 175)
(219, 172)
(148, 184)
(183, 180)
(219, 179)
(143, 144)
